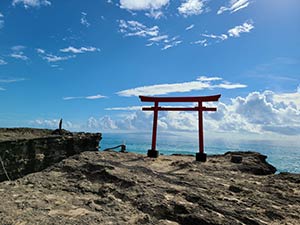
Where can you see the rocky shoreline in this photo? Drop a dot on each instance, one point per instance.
(128, 188)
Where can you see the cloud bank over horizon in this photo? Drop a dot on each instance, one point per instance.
(258, 113)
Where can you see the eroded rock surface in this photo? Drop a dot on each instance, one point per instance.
(128, 188)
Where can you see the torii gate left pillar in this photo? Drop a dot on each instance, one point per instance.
(201, 156)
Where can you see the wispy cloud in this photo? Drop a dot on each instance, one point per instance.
(135, 28)
(165, 41)
(49, 57)
(31, 3)
(54, 58)
(191, 7)
(221, 37)
(8, 80)
(190, 27)
(1, 20)
(92, 97)
(202, 42)
(201, 83)
(156, 14)
(159, 38)
(233, 32)
(171, 44)
(74, 50)
(234, 6)
(153, 34)
(19, 55)
(83, 19)
(11, 80)
(2, 62)
(17, 52)
(143, 4)
(245, 28)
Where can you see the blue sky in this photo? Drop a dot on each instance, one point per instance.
(87, 61)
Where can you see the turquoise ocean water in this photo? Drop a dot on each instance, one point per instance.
(285, 156)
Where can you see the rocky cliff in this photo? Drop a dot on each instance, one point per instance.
(127, 188)
(27, 150)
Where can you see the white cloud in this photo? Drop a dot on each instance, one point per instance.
(17, 52)
(19, 55)
(159, 38)
(32, 3)
(190, 27)
(228, 85)
(8, 81)
(92, 97)
(51, 124)
(18, 48)
(54, 58)
(202, 42)
(261, 113)
(143, 4)
(171, 45)
(233, 32)
(265, 113)
(162, 89)
(156, 14)
(205, 78)
(103, 123)
(11, 80)
(153, 35)
(135, 28)
(83, 20)
(245, 28)
(79, 50)
(191, 7)
(2, 62)
(221, 37)
(40, 51)
(234, 6)
(1, 20)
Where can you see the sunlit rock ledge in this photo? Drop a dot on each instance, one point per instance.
(128, 188)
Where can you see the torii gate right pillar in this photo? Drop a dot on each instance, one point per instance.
(200, 156)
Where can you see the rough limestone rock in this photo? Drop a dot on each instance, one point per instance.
(27, 150)
(127, 188)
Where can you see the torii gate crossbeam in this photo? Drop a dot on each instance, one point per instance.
(201, 156)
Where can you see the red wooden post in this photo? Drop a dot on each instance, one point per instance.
(200, 128)
(201, 156)
(154, 131)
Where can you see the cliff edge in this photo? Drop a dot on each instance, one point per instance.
(128, 188)
(28, 150)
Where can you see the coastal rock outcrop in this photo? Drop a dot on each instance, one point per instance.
(28, 150)
(128, 188)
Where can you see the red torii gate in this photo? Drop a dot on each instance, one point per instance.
(201, 156)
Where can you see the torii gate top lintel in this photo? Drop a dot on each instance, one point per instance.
(201, 156)
(211, 98)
